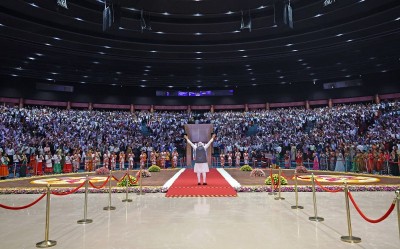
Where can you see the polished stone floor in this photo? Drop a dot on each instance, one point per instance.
(250, 221)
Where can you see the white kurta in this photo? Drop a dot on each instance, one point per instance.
(201, 167)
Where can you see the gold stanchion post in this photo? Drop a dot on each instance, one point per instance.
(272, 184)
(140, 182)
(46, 242)
(85, 220)
(126, 193)
(109, 207)
(350, 238)
(296, 194)
(315, 217)
(279, 186)
(398, 208)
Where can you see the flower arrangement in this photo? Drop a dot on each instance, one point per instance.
(154, 168)
(257, 172)
(275, 177)
(145, 173)
(102, 171)
(246, 168)
(125, 181)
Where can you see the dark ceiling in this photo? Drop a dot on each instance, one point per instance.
(199, 43)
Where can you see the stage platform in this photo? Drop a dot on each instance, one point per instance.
(358, 182)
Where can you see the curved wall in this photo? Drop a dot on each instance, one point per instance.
(14, 87)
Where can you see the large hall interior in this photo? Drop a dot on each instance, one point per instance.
(200, 124)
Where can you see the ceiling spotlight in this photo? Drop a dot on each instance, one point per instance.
(34, 5)
(78, 19)
(106, 46)
(229, 13)
(289, 44)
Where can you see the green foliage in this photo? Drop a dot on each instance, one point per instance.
(125, 181)
(275, 176)
(154, 168)
(246, 168)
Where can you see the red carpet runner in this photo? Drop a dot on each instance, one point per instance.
(186, 186)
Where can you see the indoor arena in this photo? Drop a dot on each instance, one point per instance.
(204, 124)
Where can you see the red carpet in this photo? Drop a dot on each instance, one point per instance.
(186, 186)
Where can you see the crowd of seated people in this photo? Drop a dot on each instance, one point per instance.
(354, 137)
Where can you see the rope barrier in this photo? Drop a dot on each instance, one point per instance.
(68, 192)
(23, 207)
(326, 189)
(130, 180)
(104, 184)
(119, 180)
(368, 219)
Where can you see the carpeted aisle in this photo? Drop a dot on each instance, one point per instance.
(186, 186)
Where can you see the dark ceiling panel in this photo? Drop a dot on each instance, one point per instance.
(199, 43)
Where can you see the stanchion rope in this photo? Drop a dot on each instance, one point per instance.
(326, 189)
(130, 180)
(69, 192)
(23, 207)
(368, 219)
(119, 180)
(104, 184)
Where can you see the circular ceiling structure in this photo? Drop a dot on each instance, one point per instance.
(198, 43)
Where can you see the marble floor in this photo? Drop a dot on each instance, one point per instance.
(252, 220)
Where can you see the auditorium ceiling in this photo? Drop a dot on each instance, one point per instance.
(199, 43)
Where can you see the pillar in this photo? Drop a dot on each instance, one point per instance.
(132, 108)
(330, 103)
(377, 99)
(246, 107)
(307, 105)
(21, 103)
(152, 108)
(68, 105)
(90, 106)
(212, 109)
(189, 109)
(267, 106)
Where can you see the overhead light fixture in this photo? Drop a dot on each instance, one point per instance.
(78, 19)
(34, 5)
(246, 21)
(62, 3)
